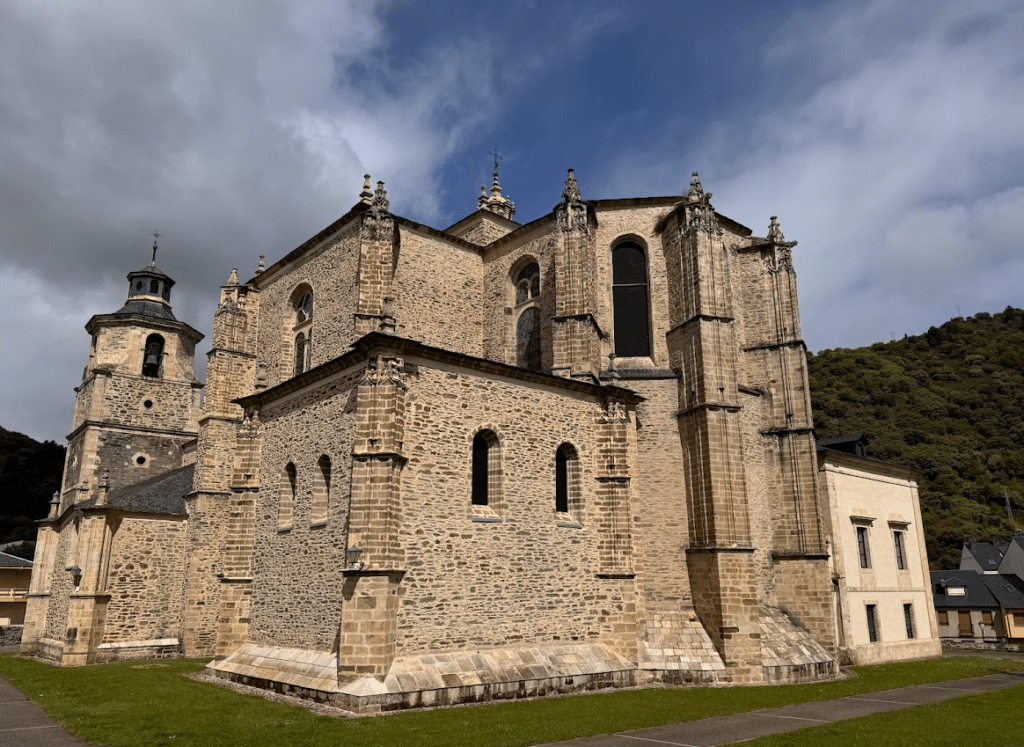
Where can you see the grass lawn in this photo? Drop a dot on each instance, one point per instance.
(991, 719)
(128, 704)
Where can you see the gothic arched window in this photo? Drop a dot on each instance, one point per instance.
(153, 356)
(528, 283)
(629, 299)
(528, 339)
(302, 329)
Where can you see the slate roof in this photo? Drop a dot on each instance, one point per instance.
(976, 594)
(13, 561)
(142, 307)
(851, 443)
(1005, 592)
(989, 555)
(163, 494)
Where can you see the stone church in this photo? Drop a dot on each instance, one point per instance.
(438, 466)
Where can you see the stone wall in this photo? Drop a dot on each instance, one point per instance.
(145, 580)
(297, 599)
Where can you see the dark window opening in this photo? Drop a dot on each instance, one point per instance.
(301, 353)
(528, 283)
(528, 348)
(561, 481)
(862, 547)
(630, 302)
(872, 624)
(153, 356)
(481, 470)
(154, 286)
(901, 562)
(908, 618)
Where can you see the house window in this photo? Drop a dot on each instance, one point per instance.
(943, 617)
(153, 356)
(908, 619)
(321, 491)
(286, 497)
(629, 299)
(897, 538)
(567, 481)
(872, 623)
(486, 483)
(302, 329)
(986, 618)
(862, 547)
(1018, 619)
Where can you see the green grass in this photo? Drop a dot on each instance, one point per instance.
(121, 704)
(992, 719)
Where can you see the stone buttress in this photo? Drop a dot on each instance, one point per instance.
(576, 342)
(703, 351)
(218, 577)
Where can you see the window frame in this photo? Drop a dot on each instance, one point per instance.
(908, 620)
(863, 547)
(899, 545)
(624, 318)
(871, 612)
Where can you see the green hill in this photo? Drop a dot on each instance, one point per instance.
(949, 403)
(30, 472)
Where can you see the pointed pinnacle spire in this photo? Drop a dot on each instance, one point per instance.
(380, 199)
(233, 277)
(696, 189)
(571, 193)
(775, 230)
(366, 195)
(262, 264)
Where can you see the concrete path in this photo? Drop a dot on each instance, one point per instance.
(23, 724)
(741, 727)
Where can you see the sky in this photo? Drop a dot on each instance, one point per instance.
(887, 136)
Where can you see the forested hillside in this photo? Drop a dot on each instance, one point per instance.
(949, 403)
(29, 474)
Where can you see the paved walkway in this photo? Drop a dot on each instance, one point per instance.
(729, 729)
(23, 724)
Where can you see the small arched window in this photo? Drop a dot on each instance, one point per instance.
(302, 330)
(629, 299)
(153, 356)
(486, 481)
(154, 286)
(286, 497)
(567, 481)
(321, 491)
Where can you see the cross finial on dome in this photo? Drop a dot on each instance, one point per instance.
(156, 236)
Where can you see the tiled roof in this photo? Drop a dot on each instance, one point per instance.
(989, 555)
(976, 593)
(163, 494)
(13, 561)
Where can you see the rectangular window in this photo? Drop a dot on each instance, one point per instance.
(901, 562)
(908, 618)
(862, 547)
(872, 624)
(986, 618)
(943, 617)
(1018, 619)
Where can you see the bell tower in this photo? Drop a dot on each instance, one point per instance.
(138, 402)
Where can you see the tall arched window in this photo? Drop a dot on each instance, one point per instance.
(302, 329)
(153, 356)
(286, 497)
(527, 293)
(567, 481)
(321, 491)
(486, 481)
(629, 298)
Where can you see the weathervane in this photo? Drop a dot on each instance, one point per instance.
(496, 157)
(156, 236)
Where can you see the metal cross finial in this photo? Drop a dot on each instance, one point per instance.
(496, 157)
(156, 236)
